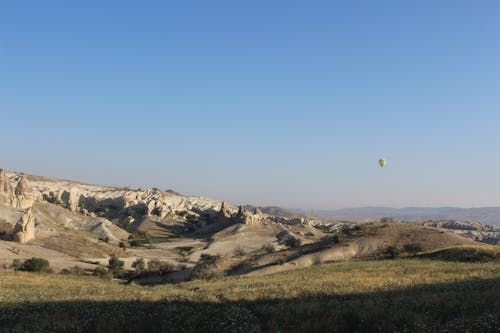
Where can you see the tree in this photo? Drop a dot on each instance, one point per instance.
(36, 265)
(114, 264)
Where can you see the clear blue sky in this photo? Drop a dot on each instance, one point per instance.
(285, 103)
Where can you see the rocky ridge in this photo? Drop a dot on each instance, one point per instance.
(22, 197)
(124, 206)
(472, 230)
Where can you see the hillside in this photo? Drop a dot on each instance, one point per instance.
(387, 296)
(134, 260)
(76, 224)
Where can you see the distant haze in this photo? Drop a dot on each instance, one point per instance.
(485, 215)
(269, 103)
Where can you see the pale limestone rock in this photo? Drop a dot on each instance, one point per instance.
(224, 211)
(71, 199)
(6, 190)
(245, 217)
(24, 231)
(25, 195)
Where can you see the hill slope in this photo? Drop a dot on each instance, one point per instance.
(388, 296)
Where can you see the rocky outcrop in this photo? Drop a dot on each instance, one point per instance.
(458, 225)
(123, 206)
(472, 230)
(71, 198)
(24, 231)
(224, 212)
(224, 215)
(245, 217)
(6, 190)
(149, 202)
(25, 195)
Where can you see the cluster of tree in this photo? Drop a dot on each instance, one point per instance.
(114, 269)
(32, 265)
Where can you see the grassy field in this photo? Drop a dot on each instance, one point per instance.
(413, 295)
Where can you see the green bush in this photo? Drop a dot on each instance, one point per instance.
(36, 265)
(292, 242)
(139, 242)
(139, 264)
(115, 265)
(162, 267)
(412, 249)
(75, 270)
(16, 264)
(391, 252)
(102, 272)
(206, 268)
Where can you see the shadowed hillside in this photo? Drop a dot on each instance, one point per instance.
(384, 296)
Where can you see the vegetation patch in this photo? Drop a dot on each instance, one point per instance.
(465, 254)
(410, 295)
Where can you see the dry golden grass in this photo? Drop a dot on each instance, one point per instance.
(465, 253)
(394, 295)
(332, 279)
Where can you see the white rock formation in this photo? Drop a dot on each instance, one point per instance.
(24, 231)
(25, 195)
(6, 190)
(124, 205)
(245, 217)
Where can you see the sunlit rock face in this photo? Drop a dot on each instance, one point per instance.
(24, 230)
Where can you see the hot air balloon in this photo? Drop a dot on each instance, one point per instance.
(382, 162)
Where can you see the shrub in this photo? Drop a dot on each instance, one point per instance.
(139, 242)
(206, 268)
(102, 272)
(115, 264)
(292, 242)
(412, 249)
(139, 264)
(36, 265)
(75, 270)
(122, 245)
(16, 264)
(391, 252)
(155, 265)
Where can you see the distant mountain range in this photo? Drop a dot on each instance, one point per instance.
(485, 215)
